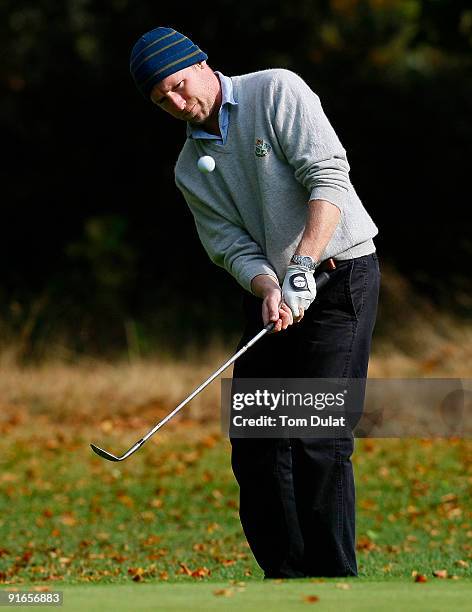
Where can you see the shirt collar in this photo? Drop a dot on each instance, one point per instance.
(227, 91)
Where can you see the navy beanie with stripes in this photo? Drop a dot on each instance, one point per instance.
(159, 53)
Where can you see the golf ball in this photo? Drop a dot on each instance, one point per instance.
(206, 164)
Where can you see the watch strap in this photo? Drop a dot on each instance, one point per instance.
(304, 260)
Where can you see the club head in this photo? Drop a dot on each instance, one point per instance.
(103, 453)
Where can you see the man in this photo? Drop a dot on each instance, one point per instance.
(279, 206)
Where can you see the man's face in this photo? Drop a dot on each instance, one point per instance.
(187, 94)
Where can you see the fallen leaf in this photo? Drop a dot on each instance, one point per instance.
(64, 560)
(368, 504)
(26, 556)
(224, 592)
(68, 519)
(125, 500)
(365, 543)
(343, 585)
(41, 588)
(311, 598)
(368, 446)
(200, 572)
(106, 426)
(208, 442)
(462, 563)
(151, 540)
(420, 578)
(449, 497)
(136, 573)
(440, 573)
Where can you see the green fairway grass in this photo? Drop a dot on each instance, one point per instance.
(164, 525)
(348, 595)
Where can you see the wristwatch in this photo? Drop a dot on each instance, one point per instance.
(304, 260)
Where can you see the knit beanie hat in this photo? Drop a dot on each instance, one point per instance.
(159, 53)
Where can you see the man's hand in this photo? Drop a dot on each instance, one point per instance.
(273, 310)
(298, 290)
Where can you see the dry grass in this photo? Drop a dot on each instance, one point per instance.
(121, 393)
(436, 354)
(98, 390)
(414, 341)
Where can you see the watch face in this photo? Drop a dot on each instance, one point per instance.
(307, 261)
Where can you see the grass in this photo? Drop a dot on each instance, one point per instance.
(162, 529)
(353, 596)
(170, 513)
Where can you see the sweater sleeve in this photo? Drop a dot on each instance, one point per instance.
(227, 244)
(308, 140)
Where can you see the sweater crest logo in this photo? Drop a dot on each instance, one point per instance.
(262, 148)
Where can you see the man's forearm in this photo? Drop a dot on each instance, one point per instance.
(321, 221)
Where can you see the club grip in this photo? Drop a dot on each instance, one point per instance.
(321, 279)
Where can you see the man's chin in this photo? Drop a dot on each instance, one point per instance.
(196, 120)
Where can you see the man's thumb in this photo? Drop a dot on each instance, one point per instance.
(273, 309)
(294, 306)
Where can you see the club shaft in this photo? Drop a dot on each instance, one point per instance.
(211, 378)
(321, 280)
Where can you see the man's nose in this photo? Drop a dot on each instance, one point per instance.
(176, 100)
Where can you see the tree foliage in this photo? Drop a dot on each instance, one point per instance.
(88, 161)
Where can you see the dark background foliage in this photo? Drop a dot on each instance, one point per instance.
(96, 242)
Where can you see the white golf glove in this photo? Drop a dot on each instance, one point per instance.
(298, 289)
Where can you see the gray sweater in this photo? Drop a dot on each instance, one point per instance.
(281, 152)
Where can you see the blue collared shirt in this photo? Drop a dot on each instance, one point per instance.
(227, 100)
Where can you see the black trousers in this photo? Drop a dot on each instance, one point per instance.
(297, 495)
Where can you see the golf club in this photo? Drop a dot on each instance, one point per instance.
(321, 279)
